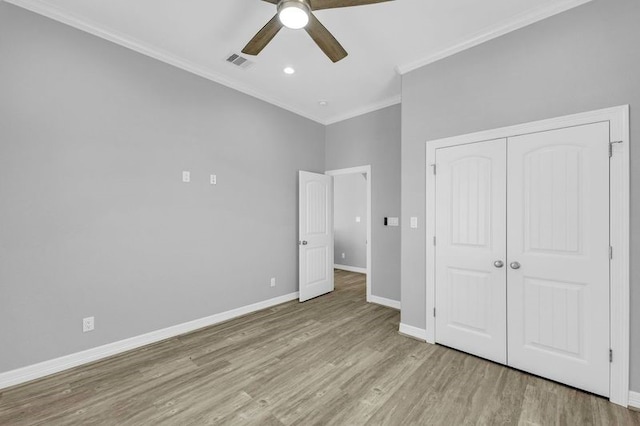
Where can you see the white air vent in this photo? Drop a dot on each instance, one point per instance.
(239, 61)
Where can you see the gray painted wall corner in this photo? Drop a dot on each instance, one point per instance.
(95, 218)
(581, 60)
(374, 139)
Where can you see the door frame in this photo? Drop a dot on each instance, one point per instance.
(361, 170)
(619, 325)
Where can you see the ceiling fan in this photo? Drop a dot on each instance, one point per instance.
(297, 14)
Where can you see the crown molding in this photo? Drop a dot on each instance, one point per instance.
(375, 106)
(42, 8)
(495, 31)
(52, 12)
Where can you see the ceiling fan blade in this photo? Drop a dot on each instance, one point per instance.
(263, 37)
(332, 4)
(325, 40)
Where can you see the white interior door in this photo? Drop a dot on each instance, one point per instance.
(470, 248)
(558, 239)
(315, 245)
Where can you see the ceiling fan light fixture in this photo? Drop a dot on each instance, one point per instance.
(293, 14)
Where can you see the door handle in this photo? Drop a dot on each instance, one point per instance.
(515, 265)
(498, 263)
(302, 243)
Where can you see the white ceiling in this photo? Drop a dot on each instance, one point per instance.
(383, 40)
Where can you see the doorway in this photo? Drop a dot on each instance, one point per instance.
(352, 221)
(543, 210)
(522, 253)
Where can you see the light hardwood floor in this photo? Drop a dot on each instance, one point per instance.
(333, 360)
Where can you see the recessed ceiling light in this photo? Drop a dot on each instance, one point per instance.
(289, 70)
(323, 103)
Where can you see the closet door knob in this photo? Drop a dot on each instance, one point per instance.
(498, 263)
(515, 265)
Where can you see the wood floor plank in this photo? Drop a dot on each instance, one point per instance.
(332, 360)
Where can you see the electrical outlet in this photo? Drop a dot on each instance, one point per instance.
(344, 256)
(273, 282)
(213, 180)
(186, 177)
(88, 324)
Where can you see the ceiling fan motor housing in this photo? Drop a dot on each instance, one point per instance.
(294, 14)
(302, 4)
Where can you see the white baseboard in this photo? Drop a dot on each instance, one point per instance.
(389, 303)
(415, 332)
(634, 400)
(350, 268)
(46, 368)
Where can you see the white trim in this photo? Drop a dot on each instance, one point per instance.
(619, 326)
(634, 400)
(366, 109)
(146, 49)
(366, 170)
(495, 31)
(99, 30)
(350, 268)
(415, 332)
(383, 301)
(349, 171)
(46, 368)
(618, 117)
(84, 24)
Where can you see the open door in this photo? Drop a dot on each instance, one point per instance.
(315, 245)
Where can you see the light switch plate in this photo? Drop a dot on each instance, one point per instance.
(414, 222)
(358, 219)
(213, 180)
(394, 221)
(186, 177)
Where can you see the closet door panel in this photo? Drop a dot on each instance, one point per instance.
(558, 255)
(470, 239)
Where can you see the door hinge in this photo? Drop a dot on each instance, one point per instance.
(611, 147)
(434, 240)
(610, 253)
(434, 312)
(433, 166)
(610, 355)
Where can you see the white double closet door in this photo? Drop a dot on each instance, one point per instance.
(522, 253)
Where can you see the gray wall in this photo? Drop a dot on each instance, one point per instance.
(94, 217)
(584, 59)
(374, 139)
(349, 202)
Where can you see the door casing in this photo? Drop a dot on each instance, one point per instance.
(618, 118)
